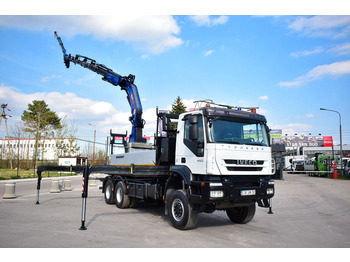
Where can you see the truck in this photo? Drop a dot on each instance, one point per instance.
(320, 165)
(346, 165)
(217, 158)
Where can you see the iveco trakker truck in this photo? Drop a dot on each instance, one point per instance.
(217, 158)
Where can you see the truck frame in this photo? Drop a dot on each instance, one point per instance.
(217, 158)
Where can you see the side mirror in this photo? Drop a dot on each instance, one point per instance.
(193, 119)
(193, 132)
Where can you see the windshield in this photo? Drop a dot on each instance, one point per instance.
(236, 132)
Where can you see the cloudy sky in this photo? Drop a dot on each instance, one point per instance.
(288, 66)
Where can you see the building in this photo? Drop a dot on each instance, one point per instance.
(309, 152)
(49, 148)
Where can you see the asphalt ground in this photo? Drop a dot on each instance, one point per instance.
(309, 212)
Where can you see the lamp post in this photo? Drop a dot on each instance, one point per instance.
(341, 141)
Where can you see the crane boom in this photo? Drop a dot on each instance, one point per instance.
(125, 82)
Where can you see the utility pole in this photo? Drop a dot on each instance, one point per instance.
(4, 116)
(341, 141)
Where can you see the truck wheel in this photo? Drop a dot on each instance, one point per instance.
(180, 211)
(121, 199)
(109, 194)
(241, 215)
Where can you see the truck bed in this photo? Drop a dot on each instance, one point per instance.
(125, 170)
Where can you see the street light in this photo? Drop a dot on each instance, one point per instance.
(341, 141)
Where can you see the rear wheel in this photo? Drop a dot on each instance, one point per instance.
(241, 215)
(180, 211)
(121, 199)
(108, 192)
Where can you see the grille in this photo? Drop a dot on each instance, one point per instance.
(235, 162)
(244, 165)
(243, 168)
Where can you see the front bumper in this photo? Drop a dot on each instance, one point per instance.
(208, 192)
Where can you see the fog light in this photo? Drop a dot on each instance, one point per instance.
(216, 194)
(269, 191)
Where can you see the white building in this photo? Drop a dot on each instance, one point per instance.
(23, 148)
(48, 149)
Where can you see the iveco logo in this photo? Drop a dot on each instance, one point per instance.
(247, 162)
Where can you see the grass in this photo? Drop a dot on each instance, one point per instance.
(6, 174)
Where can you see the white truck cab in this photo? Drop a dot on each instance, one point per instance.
(219, 141)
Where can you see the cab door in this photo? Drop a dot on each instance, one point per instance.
(190, 150)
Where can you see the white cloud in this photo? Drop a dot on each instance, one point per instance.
(341, 49)
(316, 50)
(264, 98)
(155, 34)
(309, 116)
(305, 116)
(209, 52)
(69, 105)
(206, 20)
(293, 128)
(331, 26)
(103, 115)
(334, 69)
(48, 78)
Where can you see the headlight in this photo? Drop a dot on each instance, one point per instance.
(216, 194)
(269, 191)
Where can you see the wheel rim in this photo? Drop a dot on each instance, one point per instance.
(119, 194)
(108, 192)
(177, 209)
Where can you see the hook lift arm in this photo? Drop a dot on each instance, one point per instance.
(125, 82)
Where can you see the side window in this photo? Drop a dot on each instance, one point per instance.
(200, 129)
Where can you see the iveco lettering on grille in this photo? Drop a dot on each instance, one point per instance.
(247, 162)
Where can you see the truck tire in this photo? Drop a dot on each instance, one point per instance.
(108, 192)
(180, 211)
(121, 199)
(241, 215)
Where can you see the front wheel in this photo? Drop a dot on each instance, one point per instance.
(180, 211)
(241, 215)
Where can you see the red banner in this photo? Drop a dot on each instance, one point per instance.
(327, 141)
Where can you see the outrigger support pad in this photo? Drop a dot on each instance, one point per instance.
(267, 203)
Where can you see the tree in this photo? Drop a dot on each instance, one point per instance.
(39, 120)
(70, 148)
(178, 107)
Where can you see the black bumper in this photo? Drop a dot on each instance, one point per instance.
(236, 191)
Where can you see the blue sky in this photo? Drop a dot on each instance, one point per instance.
(289, 66)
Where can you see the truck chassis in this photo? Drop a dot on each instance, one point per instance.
(184, 197)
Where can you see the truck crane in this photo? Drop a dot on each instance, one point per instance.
(217, 159)
(125, 82)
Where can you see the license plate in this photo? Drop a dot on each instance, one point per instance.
(248, 192)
